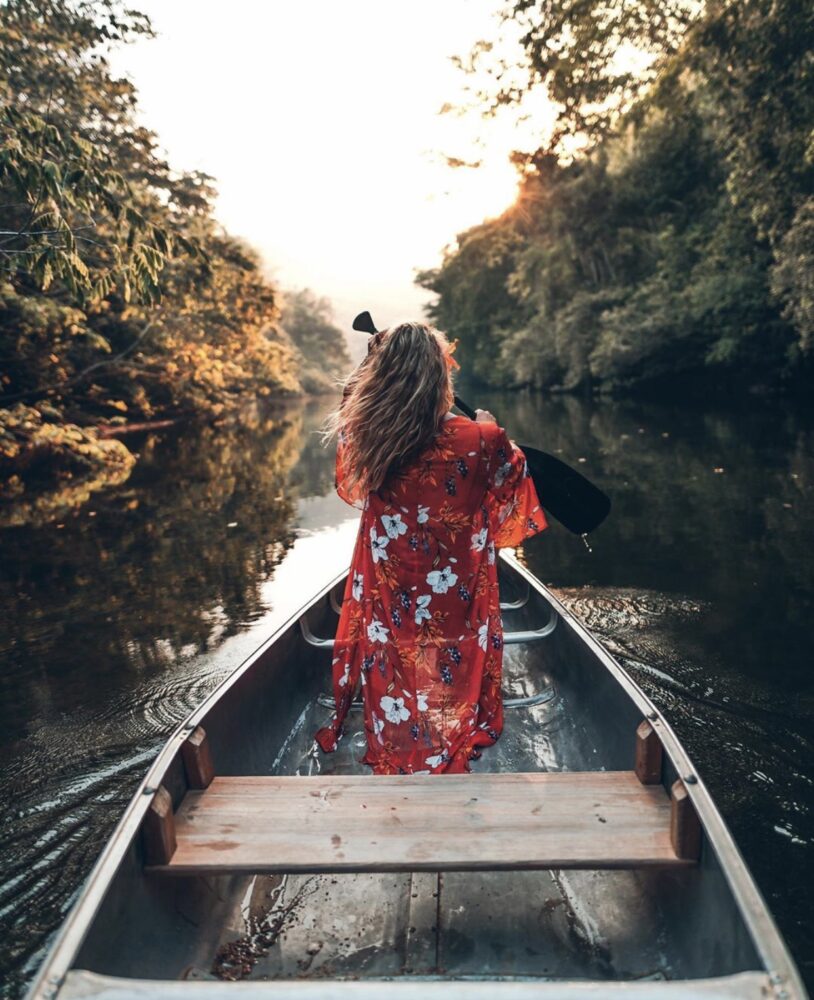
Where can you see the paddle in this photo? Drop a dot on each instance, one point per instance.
(565, 493)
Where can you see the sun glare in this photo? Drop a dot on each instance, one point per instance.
(321, 125)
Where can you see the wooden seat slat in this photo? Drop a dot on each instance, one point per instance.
(596, 819)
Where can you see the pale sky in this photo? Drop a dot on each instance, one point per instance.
(319, 121)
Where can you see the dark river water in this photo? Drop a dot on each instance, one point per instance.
(117, 620)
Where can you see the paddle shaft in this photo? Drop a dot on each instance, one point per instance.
(465, 408)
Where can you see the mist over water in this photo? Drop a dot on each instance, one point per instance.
(116, 621)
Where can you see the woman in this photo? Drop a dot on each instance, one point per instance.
(420, 626)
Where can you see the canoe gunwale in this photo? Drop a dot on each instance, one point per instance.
(768, 943)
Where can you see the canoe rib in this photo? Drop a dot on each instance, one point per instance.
(374, 823)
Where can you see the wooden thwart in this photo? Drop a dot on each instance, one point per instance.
(441, 822)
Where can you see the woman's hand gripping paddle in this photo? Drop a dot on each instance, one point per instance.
(566, 494)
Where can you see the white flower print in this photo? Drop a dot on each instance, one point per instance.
(393, 526)
(482, 635)
(343, 680)
(479, 540)
(507, 509)
(376, 632)
(442, 579)
(436, 759)
(358, 586)
(502, 472)
(421, 610)
(378, 545)
(378, 726)
(423, 514)
(491, 554)
(421, 701)
(394, 709)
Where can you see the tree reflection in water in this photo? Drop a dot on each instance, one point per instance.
(166, 565)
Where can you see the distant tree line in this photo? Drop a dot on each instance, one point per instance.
(122, 300)
(322, 354)
(664, 230)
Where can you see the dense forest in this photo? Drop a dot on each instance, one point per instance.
(663, 235)
(123, 302)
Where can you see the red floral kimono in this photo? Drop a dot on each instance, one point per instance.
(420, 627)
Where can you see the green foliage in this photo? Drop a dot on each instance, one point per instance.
(793, 274)
(121, 298)
(474, 299)
(571, 48)
(682, 239)
(74, 201)
(323, 354)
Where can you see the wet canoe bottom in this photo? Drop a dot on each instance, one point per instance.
(485, 924)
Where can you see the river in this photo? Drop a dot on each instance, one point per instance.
(118, 619)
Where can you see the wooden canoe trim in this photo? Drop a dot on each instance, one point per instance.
(649, 754)
(685, 827)
(158, 829)
(197, 758)
(375, 823)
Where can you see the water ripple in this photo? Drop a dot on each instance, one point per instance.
(69, 783)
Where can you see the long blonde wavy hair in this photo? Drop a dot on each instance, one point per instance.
(393, 403)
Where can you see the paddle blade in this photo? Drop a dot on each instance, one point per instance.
(566, 494)
(364, 323)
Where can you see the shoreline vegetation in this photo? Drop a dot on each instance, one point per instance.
(662, 240)
(663, 233)
(124, 305)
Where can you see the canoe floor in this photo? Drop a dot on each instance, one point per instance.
(378, 823)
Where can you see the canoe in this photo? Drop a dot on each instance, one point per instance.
(583, 856)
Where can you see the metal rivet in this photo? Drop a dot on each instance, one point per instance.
(149, 790)
(652, 715)
(690, 779)
(775, 978)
